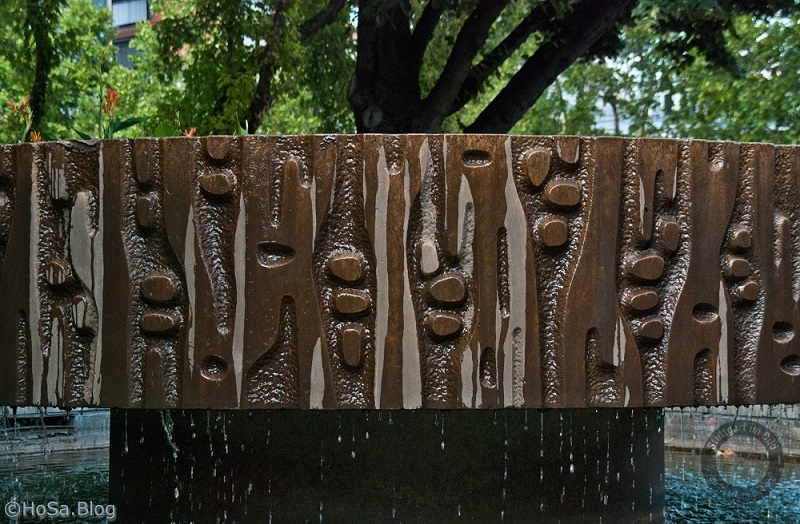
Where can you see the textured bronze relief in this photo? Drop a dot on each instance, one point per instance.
(399, 271)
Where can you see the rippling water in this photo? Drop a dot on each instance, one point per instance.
(689, 498)
(71, 477)
(68, 477)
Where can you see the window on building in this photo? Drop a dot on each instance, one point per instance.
(128, 12)
(124, 53)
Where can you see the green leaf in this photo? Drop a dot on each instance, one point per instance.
(125, 124)
(165, 130)
(84, 136)
(241, 131)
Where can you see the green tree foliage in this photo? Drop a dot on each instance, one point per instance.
(647, 92)
(699, 68)
(761, 103)
(219, 64)
(504, 54)
(78, 37)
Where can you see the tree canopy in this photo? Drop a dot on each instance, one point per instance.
(700, 68)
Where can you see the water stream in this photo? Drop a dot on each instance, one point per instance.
(43, 472)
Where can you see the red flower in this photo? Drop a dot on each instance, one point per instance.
(190, 132)
(22, 110)
(36, 137)
(112, 100)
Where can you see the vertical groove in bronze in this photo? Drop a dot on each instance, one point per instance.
(61, 315)
(778, 360)
(279, 233)
(707, 174)
(555, 205)
(344, 268)
(444, 327)
(650, 233)
(216, 190)
(15, 179)
(747, 239)
(7, 197)
(391, 170)
(21, 379)
(154, 283)
(116, 365)
(273, 379)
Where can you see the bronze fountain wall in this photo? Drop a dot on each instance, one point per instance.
(403, 271)
(395, 273)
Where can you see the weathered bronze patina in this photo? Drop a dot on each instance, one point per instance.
(399, 272)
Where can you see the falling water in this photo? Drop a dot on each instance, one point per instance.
(225, 432)
(394, 497)
(353, 443)
(541, 434)
(442, 444)
(208, 433)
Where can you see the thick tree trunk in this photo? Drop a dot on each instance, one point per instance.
(384, 92)
(262, 98)
(41, 18)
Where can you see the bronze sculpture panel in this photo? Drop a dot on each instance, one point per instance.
(399, 271)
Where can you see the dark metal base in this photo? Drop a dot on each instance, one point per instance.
(511, 465)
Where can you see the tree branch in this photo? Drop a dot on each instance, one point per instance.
(262, 98)
(584, 26)
(423, 30)
(469, 42)
(325, 16)
(536, 20)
